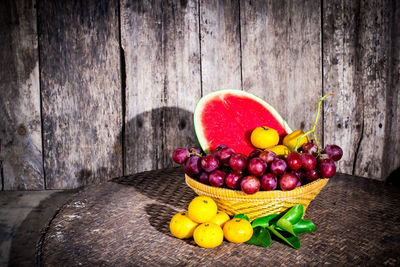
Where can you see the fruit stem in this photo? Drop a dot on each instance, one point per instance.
(315, 124)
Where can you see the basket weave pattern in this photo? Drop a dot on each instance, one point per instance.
(261, 203)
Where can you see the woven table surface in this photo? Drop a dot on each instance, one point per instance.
(125, 222)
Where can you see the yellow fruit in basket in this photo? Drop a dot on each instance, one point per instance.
(202, 209)
(280, 150)
(238, 230)
(208, 235)
(181, 226)
(290, 140)
(263, 137)
(220, 218)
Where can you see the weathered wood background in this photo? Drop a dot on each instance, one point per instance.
(95, 89)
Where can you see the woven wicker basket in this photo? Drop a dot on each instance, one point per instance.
(261, 203)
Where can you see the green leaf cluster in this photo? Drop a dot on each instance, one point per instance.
(286, 226)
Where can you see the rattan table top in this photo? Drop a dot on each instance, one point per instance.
(125, 222)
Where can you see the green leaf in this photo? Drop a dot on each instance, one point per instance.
(294, 214)
(293, 241)
(265, 221)
(261, 237)
(241, 216)
(286, 226)
(303, 226)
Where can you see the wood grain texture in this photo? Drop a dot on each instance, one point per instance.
(20, 124)
(161, 45)
(81, 92)
(358, 44)
(281, 57)
(220, 45)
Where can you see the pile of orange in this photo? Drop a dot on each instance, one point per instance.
(208, 226)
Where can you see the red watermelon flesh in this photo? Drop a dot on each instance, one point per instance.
(229, 116)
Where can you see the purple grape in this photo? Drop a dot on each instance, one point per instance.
(204, 178)
(257, 166)
(238, 162)
(232, 180)
(308, 161)
(334, 152)
(210, 163)
(255, 153)
(327, 168)
(288, 181)
(217, 178)
(310, 148)
(250, 184)
(311, 175)
(192, 166)
(180, 155)
(268, 156)
(268, 182)
(278, 166)
(294, 161)
(224, 154)
(218, 148)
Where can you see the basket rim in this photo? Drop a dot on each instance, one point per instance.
(262, 195)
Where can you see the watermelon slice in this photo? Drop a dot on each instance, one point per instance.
(229, 116)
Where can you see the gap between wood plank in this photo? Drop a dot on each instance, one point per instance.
(40, 92)
(240, 48)
(201, 67)
(123, 90)
(322, 75)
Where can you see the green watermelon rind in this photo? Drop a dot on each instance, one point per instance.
(199, 106)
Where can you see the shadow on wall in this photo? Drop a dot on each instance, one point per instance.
(149, 140)
(394, 178)
(152, 136)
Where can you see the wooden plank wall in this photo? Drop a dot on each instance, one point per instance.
(81, 91)
(98, 89)
(20, 122)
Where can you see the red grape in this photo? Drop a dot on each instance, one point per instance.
(257, 166)
(310, 148)
(311, 175)
(267, 156)
(217, 178)
(268, 182)
(334, 152)
(219, 148)
(294, 161)
(224, 154)
(180, 155)
(288, 181)
(232, 180)
(327, 168)
(255, 153)
(238, 162)
(321, 157)
(300, 174)
(204, 178)
(250, 184)
(308, 161)
(278, 166)
(192, 166)
(210, 163)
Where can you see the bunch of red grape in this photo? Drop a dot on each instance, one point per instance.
(261, 170)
